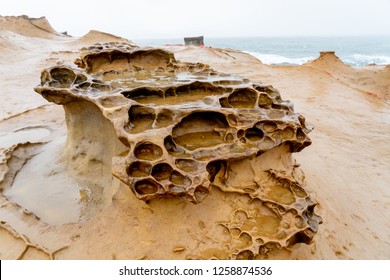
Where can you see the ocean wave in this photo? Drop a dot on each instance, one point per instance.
(274, 59)
(361, 59)
(353, 60)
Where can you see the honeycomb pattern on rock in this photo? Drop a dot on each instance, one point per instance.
(188, 128)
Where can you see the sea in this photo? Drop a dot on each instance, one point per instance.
(355, 51)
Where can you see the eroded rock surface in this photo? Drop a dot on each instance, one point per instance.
(171, 129)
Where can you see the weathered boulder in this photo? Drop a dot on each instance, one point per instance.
(173, 130)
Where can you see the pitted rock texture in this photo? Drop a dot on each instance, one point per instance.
(186, 128)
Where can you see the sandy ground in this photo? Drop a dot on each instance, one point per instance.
(346, 167)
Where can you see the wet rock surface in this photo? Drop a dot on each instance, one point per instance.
(182, 130)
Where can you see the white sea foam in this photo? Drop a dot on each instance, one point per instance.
(274, 59)
(361, 59)
(354, 60)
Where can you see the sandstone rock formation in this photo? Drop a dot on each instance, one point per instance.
(373, 83)
(30, 27)
(173, 130)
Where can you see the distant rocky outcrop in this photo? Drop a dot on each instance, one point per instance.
(29, 27)
(173, 130)
(374, 84)
(41, 28)
(327, 60)
(95, 36)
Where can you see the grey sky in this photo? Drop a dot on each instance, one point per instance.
(135, 19)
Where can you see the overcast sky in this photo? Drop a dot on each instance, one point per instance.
(140, 19)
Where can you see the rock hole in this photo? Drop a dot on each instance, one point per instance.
(270, 90)
(185, 89)
(224, 102)
(232, 119)
(137, 113)
(260, 241)
(245, 255)
(170, 92)
(299, 222)
(146, 187)
(288, 133)
(298, 191)
(140, 119)
(243, 98)
(277, 135)
(229, 138)
(267, 126)
(200, 194)
(64, 76)
(240, 133)
(281, 194)
(199, 87)
(241, 215)
(196, 180)
(279, 106)
(179, 179)
(172, 148)
(222, 230)
(301, 136)
(235, 232)
(264, 101)
(299, 237)
(246, 240)
(148, 151)
(164, 118)
(254, 134)
(139, 169)
(100, 86)
(200, 129)
(177, 190)
(55, 83)
(162, 171)
(115, 56)
(214, 167)
(84, 85)
(151, 59)
(187, 165)
(80, 79)
(269, 247)
(143, 95)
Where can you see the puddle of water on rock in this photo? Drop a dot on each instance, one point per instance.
(45, 188)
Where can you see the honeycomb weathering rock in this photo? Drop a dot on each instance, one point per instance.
(185, 129)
